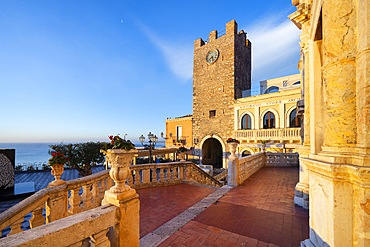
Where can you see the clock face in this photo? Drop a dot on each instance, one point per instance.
(212, 56)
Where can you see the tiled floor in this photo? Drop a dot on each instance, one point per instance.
(159, 205)
(260, 212)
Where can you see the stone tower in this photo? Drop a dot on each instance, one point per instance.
(222, 70)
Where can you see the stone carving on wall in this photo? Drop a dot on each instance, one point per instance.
(7, 173)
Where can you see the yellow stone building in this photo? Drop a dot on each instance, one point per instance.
(179, 131)
(335, 157)
(270, 118)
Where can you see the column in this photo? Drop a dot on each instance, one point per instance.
(339, 74)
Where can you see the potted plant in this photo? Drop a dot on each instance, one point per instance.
(233, 143)
(118, 143)
(119, 154)
(232, 140)
(56, 162)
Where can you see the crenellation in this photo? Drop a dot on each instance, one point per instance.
(212, 36)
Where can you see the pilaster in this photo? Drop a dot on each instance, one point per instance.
(363, 76)
(339, 73)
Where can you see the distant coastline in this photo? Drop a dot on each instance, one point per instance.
(36, 154)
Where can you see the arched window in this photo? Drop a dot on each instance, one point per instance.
(269, 120)
(294, 121)
(246, 123)
(246, 153)
(297, 83)
(272, 89)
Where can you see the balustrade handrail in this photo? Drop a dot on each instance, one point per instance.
(93, 224)
(168, 174)
(249, 165)
(279, 133)
(22, 208)
(210, 178)
(77, 202)
(40, 198)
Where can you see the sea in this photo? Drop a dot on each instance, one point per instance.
(37, 154)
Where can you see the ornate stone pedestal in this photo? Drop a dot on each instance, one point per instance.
(232, 169)
(124, 197)
(57, 171)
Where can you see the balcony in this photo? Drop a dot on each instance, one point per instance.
(287, 134)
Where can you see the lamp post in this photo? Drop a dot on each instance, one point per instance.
(152, 141)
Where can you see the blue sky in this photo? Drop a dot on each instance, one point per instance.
(80, 70)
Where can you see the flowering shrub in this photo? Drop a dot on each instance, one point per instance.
(57, 158)
(118, 143)
(230, 140)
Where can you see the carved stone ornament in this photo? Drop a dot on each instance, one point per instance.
(232, 148)
(295, 2)
(120, 161)
(57, 171)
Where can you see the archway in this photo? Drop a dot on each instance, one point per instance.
(212, 153)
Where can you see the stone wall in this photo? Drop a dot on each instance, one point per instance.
(216, 85)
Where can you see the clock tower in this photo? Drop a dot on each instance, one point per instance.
(222, 70)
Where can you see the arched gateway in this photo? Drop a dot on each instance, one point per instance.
(212, 153)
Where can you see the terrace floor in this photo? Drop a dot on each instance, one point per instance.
(260, 212)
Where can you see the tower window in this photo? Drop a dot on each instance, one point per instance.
(269, 120)
(212, 113)
(246, 123)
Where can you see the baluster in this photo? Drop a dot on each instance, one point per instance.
(154, 175)
(181, 172)
(176, 173)
(16, 226)
(139, 179)
(95, 194)
(146, 175)
(86, 196)
(161, 175)
(74, 202)
(100, 239)
(37, 218)
(130, 178)
(102, 188)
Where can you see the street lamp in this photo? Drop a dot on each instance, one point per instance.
(152, 141)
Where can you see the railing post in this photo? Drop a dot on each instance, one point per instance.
(56, 206)
(232, 169)
(124, 198)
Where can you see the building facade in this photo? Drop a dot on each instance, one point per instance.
(270, 119)
(335, 157)
(179, 131)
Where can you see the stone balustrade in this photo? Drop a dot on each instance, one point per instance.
(289, 134)
(282, 159)
(247, 166)
(56, 202)
(89, 228)
(83, 194)
(144, 176)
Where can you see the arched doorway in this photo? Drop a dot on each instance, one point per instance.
(212, 153)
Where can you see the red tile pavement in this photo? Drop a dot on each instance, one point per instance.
(260, 212)
(161, 204)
